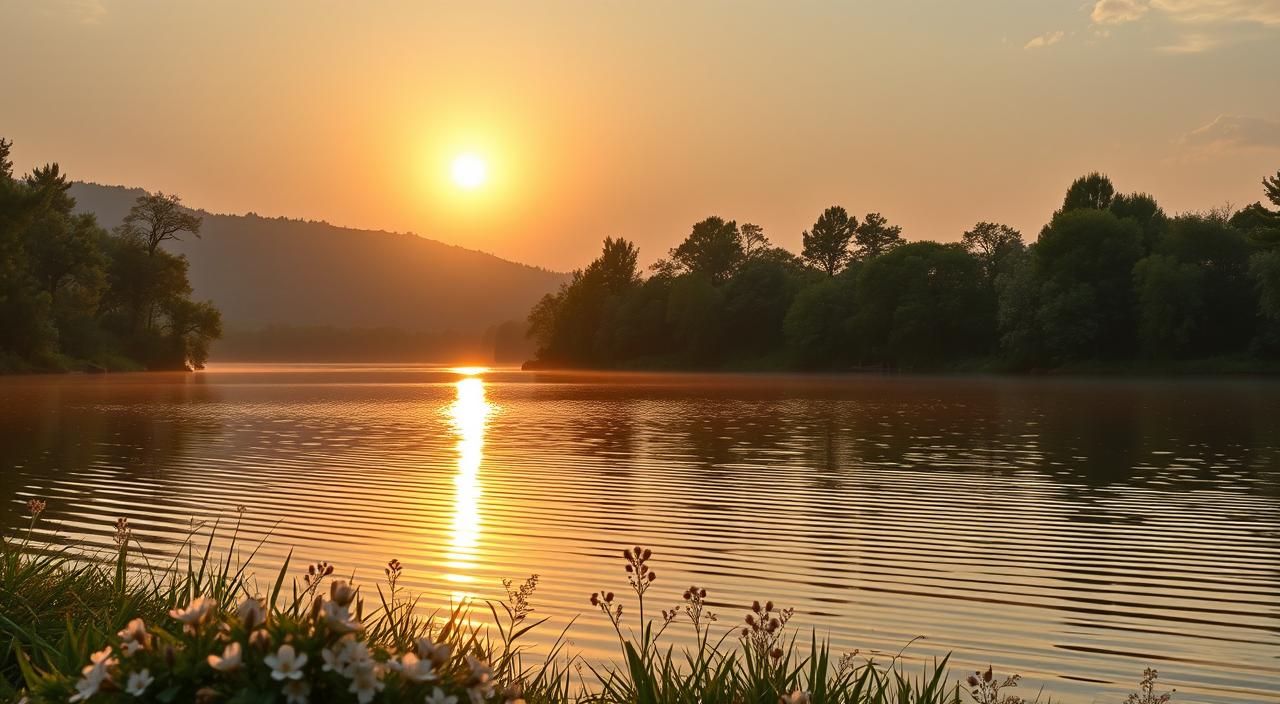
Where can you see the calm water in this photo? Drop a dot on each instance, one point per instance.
(1071, 530)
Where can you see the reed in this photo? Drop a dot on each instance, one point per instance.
(83, 626)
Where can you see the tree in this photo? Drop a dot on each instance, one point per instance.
(991, 244)
(756, 302)
(826, 246)
(713, 249)
(1143, 209)
(923, 303)
(1170, 304)
(157, 218)
(1264, 271)
(1271, 186)
(816, 326)
(615, 269)
(1092, 192)
(875, 236)
(1084, 272)
(754, 241)
(6, 165)
(52, 185)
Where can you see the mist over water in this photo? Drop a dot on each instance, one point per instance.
(1071, 530)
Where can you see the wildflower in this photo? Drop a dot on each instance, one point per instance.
(138, 682)
(94, 675)
(439, 697)
(286, 664)
(345, 657)
(479, 680)
(195, 613)
(260, 639)
(796, 697)
(338, 618)
(297, 692)
(341, 593)
(230, 660)
(366, 681)
(134, 637)
(416, 669)
(438, 654)
(35, 507)
(123, 532)
(251, 613)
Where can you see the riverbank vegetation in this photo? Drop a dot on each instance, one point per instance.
(127, 626)
(74, 295)
(1110, 283)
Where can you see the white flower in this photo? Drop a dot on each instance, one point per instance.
(296, 691)
(230, 660)
(138, 682)
(345, 656)
(341, 592)
(416, 669)
(479, 681)
(286, 664)
(134, 637)
(338, 618)
(94, 675)
(366, 681)
(251, 613)
(437, 654)
(195, 612)
(439, 697)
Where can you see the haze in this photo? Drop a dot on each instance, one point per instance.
(602, 120)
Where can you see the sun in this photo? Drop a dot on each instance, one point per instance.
(469, 171)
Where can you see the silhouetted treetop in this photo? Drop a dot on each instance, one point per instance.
(156, 218)
(826, 245)
(1091, 191)
(713, 249)
(875, 236)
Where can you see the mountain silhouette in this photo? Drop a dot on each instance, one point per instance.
(275, 271)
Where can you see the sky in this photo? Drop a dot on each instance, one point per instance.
(603, 119)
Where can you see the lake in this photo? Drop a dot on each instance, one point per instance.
(1072, 530)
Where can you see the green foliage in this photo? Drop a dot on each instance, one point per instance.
(1111, 279)
(923, 302)
(127, 626)
(713, 249)
(1089, 192)
(1084, 262)
(72, 294)
(826, 245)
(1170, 304)
(875, 236)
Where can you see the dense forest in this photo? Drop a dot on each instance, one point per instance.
(1111, 280)
(74, 295)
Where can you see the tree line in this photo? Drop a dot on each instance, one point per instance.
(74, 295)
(1111, 278)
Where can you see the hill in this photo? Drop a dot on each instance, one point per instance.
(273, 271)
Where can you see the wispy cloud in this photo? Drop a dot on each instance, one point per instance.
(1118, 11)
(1192, 43)
(1232, 133)
(1046, 39)
(1206, 23)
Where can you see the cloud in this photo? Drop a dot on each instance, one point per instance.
(1193, 43)
(1118, 11)
(1231, 133)
(1046, 39)
(1263, 12)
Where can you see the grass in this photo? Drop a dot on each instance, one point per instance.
(119, 626)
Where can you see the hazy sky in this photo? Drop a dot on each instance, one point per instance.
(636, 119)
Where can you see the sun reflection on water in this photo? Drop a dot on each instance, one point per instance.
(468, 416)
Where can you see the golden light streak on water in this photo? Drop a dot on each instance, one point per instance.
(468, 417)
